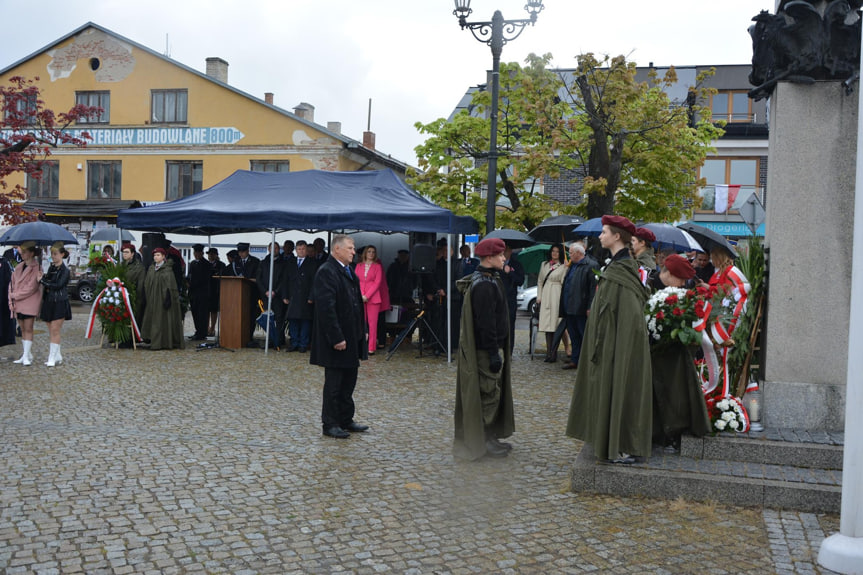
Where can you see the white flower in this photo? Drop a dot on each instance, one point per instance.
(720, 425)
(727, 416)
(723, 405)
(733, 424)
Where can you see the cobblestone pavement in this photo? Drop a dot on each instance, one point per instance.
(185, 461)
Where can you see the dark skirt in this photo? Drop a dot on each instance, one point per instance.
(678, 402)
(54, 310)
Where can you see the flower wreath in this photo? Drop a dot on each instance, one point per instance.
(114, 310)
(727, 414)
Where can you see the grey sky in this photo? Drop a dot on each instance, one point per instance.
(409, 56)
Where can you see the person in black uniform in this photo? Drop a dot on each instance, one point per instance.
(200, 272)
(512, 276)
(217, 268)
(300, 275)
(279, 291)
(339, 337)
(245, 265)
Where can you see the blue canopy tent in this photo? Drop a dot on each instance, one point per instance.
(314, 200)
(375, 201)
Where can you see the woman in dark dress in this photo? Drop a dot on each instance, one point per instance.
(678, 401)
(55, 300)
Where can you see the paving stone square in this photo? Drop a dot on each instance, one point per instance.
(187, 461)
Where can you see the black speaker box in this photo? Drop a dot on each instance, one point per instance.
(423, 252)
(149, 242)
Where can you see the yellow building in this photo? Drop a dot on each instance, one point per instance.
(167, 130)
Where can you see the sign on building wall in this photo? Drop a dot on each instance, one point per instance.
(160, 136)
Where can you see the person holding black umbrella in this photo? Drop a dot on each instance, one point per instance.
(55, 300)
(25, 297)
(549, 285)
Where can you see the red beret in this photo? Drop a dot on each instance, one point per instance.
(128, 246)
(490, 247)
(645, 234)
(160, 251)
(619, 222)
(679, 267)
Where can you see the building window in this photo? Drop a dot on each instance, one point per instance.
(732, 106)
(270, 166)
(169, 106)
(732, 171)
(184, 179)
(95, 100)
(47, 186)
(103, 180)
(23, 108)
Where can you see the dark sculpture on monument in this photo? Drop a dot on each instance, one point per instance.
(805, 41)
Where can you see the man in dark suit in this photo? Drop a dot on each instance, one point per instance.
(199, 292)
(512, 276)
(579, 285)
(217, 268)
(279, 291)
(299, 274)
(339, 337)
(245, 265)
(320, 253)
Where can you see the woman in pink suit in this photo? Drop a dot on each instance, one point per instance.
(25, 296)
(373, 285)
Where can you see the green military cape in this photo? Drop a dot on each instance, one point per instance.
(163, 327)
(612, 401)
(469, 442)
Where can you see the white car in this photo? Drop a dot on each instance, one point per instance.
(526, 299)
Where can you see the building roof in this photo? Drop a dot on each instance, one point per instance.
(80, 208)
(353, 145)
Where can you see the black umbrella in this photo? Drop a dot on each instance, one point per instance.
(43, 233)
(708, 238)
(110, 234)
(556, 229)
(512, 238)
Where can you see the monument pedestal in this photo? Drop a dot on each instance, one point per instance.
(810, 220)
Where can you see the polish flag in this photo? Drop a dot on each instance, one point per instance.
(725, 197)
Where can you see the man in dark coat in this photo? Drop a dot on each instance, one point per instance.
(576, 297)
(339, 337)
(199, 292)
(299, 277)
(512, 276)
(612, 400)
(217, 269)
(245, 265)
(279, 291)
(483, 404)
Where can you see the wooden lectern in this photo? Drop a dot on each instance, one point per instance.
(234, 311)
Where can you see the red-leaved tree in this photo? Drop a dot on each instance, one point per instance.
(28, 132)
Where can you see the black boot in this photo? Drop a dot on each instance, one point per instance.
(550, 354)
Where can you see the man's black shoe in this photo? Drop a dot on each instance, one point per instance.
(494, 449)
(337, 432)
(252, 343)
(303, 349)
(292, 348)
(356, 427)
(504, 444)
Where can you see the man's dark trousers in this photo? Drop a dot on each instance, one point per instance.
(575, 325)
(338, 408)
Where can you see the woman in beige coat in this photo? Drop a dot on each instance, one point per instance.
(552, 272)
(25, 297)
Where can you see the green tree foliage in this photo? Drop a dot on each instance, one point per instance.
(639, 152)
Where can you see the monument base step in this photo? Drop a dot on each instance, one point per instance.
(743, 469)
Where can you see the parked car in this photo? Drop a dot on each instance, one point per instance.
(526, 299)
(83, 286)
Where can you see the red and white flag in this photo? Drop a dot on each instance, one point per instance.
(725, 197)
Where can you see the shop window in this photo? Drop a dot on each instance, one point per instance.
(183, 179)
(95, 100)
(169, 106)
(104, 179)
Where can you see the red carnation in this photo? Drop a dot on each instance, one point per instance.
(660, 316)
(671, 300)
(699, 308)
(677, 311)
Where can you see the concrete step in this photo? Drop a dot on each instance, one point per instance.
(811, 449)
(739, 482)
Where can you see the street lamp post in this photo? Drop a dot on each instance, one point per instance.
(495, 33)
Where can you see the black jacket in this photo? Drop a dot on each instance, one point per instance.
(579, 285)
(298, 287)
(339, 315)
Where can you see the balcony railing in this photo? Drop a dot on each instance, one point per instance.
(735, 118)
